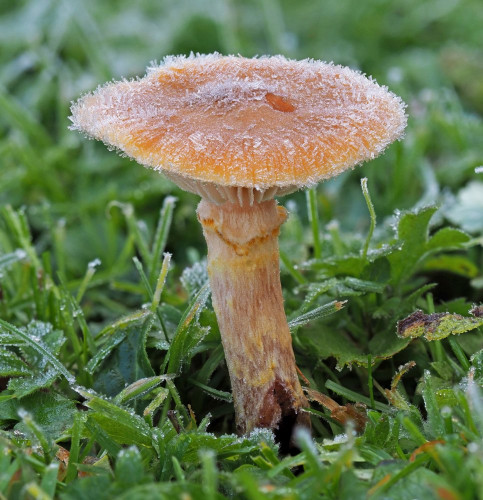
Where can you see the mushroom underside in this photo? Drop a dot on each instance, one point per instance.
(219, 194)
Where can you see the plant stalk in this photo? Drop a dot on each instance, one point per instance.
(243, 267)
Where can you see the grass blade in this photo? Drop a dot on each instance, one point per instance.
(161, 235)
(372, 212)
(317, 313)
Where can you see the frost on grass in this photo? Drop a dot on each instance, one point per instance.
(253, 123)
(194, 278)
(94, 264)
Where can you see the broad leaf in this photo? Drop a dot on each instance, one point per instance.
(456, 264)
(412, 234)
(39, 345)
(11, 364)
(325, 342)
(447, 237)
(436, 326)
(51, 411)
(126, 363)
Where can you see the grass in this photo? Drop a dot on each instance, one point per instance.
(112, 376)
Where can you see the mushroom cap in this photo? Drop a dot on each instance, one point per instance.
(269, 124)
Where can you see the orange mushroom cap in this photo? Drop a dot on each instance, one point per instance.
(267, 124)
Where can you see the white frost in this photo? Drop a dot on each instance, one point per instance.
(237, 122)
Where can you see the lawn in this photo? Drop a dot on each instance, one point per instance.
(113, 381)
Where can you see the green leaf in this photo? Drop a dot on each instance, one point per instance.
(209, 473)
(412, 234)
(49, 481)
(129, 467)
(456, 264)
(351, 486)
(119, 424)
(335, 266)
(132, 319)
(447, 237)
(477, 363)
(364, 285)
(34, 431)
(434, 424)
(405, 480)
(225, 446)
(96, 486)
(18, 227)
(134, 228)
(126, 364)
(221, 395)
(138, 388)
(353, 396)
(161, 236)
(187, 337)
(43, 344)
(52, 412)
(11, 364)
(166, 491)
(155, 404)
(26, 385)
(378, 271)
(323, 342)
(41, 373)
(76, 433)
(436, 326)
(103, 352)
(317, 313)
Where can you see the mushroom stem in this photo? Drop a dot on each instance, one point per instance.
(243, 267)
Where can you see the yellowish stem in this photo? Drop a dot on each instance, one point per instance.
(243, 266)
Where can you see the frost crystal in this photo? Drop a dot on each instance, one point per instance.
(235, 122)
(93, 264)
(20, 253)
(193, 278)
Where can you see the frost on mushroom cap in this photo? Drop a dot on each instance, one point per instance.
(270, 124)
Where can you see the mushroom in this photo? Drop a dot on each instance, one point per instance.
(239, 132)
